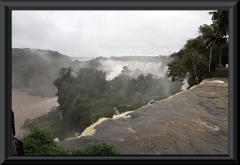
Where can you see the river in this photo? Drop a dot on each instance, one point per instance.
(26, 106)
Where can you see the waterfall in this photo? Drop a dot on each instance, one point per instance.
(114, 67)
(116, 111)
(185, 84)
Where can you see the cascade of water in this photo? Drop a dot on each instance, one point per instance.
(116, 111)
(114, 67)
(185, 84)
(165, 70)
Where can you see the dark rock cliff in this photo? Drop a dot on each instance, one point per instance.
(191, 122)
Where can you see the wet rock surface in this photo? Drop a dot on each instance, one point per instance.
(193, 122)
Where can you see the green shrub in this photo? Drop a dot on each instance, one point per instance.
(40, 142)
(97, 148)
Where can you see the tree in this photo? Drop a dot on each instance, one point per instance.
(220, 29)
(125, 70)
(189, 61)
(177, 69)
(40, 142)
(207, 34)
(65, 92)
(196, 59)
(220, 26)
(66, 73)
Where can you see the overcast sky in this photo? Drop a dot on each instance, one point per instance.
(106, 33)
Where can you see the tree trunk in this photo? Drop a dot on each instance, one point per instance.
(195, 71)
(210, 59)
(220, 56)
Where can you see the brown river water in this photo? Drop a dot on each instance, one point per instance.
(26, 106)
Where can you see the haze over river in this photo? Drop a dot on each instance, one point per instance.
(26, 106)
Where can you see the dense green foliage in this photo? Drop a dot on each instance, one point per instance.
(220, 27)
(100, 148)
(192, 61)
(87, 96)
(40, 142)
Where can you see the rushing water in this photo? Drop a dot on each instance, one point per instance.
(146, 67)
(26, 106)
(114, 67)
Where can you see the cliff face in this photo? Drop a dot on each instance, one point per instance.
(191, 122)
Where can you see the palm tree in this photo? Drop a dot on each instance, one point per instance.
(206, 32)
(220, 26)
(220, 29)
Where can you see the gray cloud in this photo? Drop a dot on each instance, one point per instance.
(106, 33)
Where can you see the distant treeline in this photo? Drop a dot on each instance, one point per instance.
(34, 70)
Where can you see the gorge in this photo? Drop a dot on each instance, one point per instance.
(34, 70)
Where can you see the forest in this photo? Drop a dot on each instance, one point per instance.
(88, 96)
